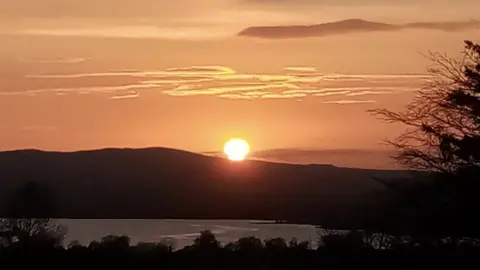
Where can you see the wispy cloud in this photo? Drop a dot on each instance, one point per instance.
(348, 27)
(129, 95)
(55, 60)
(363, 93)
(38, 128)
(225, 82)
(374, 158)
(301, 69)
(323, 93)
(235, 96)
(277, 96)
(133, 31)
(349, 101)
(81, 90)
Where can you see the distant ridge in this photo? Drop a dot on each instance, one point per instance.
(349, 26)
(170, 183)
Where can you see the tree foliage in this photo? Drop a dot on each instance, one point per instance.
(444, 118)
(443, 138)
(206, 240)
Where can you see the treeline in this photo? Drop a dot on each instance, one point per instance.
(353, 249)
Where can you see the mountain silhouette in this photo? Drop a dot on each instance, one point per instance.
(348, 26)
(169, 183)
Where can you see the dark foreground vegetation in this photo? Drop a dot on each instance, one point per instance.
(430, 222)
(353, 250)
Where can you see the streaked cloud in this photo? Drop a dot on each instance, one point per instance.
(363, 93)
(129, 95)
(350, 26)
(132, 31)
(226, 83)
(374, 159)
(330, 93)
(301, 69)
(277, 96)
(235, 96)
(194, 19)
(43, 128)
(80, 90)
(349, 101)
(194, 71)
(55, 60)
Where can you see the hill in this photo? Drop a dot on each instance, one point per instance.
(348, 26)
(168, 183)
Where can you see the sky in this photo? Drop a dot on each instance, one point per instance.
(84, 74)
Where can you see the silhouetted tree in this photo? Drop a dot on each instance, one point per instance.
(115, 242)
(160, 247)
(95, 245)
(443, 138)
(275, 243)
(246, 244)
(444, 117)
(206, 240)
(74, 244)
(249, 243)
(293, 243)
(341, 242)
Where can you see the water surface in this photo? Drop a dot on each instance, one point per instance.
(182, 232)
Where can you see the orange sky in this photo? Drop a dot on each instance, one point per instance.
(83, 75)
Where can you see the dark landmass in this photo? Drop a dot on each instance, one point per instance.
(167, 183)
(273, 222)
(348, 251)
(349, 26)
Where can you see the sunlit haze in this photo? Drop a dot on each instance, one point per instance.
(81, 74)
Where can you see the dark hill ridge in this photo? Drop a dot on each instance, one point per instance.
(349, 26)
(168, 183)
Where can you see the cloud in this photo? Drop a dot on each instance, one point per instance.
(301, 69)
(55, 60)
(363, 93)
(372, 158)
(194, 19)
(289, 3)
(42, 128)
(81, 90)
(349, 26)
(277, 96)
(132, 32)
(225, 82)
(129, 95)
(349, 101)
(107, 9)
(202, 70)
(235, 96)
(322, 93)
(194, 71)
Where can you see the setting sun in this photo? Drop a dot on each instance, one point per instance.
(236, 149)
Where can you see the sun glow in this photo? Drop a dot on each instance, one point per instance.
(236, 149)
